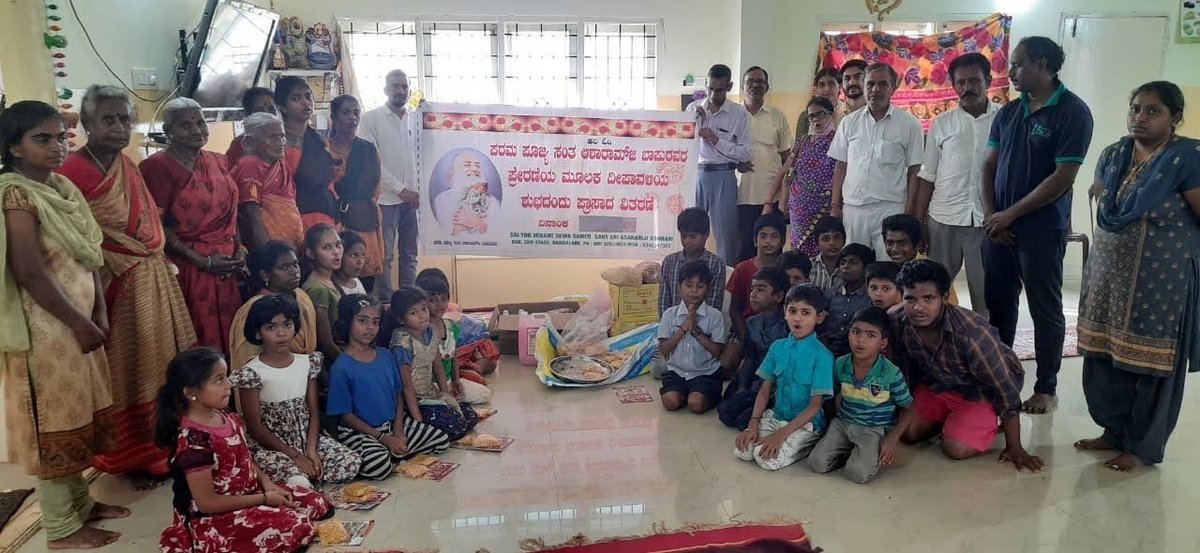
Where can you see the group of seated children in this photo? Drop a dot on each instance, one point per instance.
(395, 388)
(806, 363)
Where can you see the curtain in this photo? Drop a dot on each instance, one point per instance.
(923, 62)
(349, 80)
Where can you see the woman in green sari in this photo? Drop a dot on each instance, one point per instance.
(1138, 310)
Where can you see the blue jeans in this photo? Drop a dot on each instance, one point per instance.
(399, 220)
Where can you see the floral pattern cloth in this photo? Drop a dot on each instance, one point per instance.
(261, 529)
(923, 63)
(809, 190)
(288, 419)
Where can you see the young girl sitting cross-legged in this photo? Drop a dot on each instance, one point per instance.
(366, 393)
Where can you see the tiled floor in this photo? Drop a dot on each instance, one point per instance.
(584, 463)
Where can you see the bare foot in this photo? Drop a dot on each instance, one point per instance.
(142, 480)
(1040, 404)
(1125, 462)
(102, 511)
(1094, 444)
(85, 538)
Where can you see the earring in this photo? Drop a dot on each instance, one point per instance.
(193, 398)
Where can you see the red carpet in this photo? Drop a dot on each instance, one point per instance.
(685, 540)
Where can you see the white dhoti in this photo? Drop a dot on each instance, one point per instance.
(795, 447)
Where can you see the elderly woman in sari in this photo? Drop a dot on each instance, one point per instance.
(1140, 304)
(149, 319)
(254, 100)
(198, 202)
(810, 177)
(313, 167)
(358, 184)
(56, 379)
(266, 193)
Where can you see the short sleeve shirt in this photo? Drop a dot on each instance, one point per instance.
(368, 390)
(739, 284)
(800, 368)
(690, 359)
(873, 400)
(877, 155)
(1030, 147)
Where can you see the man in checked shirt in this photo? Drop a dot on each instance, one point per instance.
(962, 376)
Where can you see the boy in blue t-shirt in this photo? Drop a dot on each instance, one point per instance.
(798, 374)
(870, 390)
(767, 289)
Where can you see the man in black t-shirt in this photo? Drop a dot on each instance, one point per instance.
(1035, 149)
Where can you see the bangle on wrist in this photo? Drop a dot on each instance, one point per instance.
(264, 498)
(207, 262)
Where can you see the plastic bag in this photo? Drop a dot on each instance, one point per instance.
(587, 331)
(642, 342)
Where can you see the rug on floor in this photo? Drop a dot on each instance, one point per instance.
(10, 503)
(1023, 343)
(786, 533)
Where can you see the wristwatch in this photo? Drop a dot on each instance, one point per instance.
(696, 332)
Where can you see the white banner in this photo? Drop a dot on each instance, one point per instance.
(533, 182)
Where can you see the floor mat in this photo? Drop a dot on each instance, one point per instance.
(1023, 344)
(10, 502)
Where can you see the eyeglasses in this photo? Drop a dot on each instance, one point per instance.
(819, 116)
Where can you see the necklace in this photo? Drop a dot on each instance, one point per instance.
(1136, 167)
(104, 169)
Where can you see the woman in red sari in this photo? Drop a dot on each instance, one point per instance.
(314, 169)
(254, 100)
(358, 185)
(148, 318)
(267, 196)
(198, 202)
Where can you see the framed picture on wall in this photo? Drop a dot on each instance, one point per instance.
(1189, 21)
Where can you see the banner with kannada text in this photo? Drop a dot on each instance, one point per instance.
(538, 182)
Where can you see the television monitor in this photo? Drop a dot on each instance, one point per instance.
(229, 53)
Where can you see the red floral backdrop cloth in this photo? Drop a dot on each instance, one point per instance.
(923, 62)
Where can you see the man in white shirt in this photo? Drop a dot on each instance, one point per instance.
(951, 180)
(724, 129)
(878, 152)
(770, 142)
(393, 128)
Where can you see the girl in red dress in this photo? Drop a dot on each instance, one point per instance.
(223, 503)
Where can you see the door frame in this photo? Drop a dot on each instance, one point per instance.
(1068, 17)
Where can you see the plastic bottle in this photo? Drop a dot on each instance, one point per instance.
(527, 329)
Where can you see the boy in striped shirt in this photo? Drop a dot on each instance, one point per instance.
(870, 388)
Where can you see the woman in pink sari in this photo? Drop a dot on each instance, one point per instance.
(198, 202)
(267, 196)
(809, 177)
(148, 318)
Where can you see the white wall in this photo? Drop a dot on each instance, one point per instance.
(128, 34)
(792, 28)
(144, 33)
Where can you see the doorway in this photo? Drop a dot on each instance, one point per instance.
(1107, 57)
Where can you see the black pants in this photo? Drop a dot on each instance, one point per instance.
(747, 215)
(1034, 260)
(1136, 411)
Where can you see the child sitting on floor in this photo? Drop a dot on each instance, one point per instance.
(769, 231)
(277, 392)
(365, 392)
(690, 337)
(882, 288)
(847, 300)
(798, 374)
(831, 238)
(473, 389)
(796, 266)
(870, 388)
(476, 354)
(428, 395)
(767, 291)
(222, 500)
(274, 269)
(354, 258)
(694, 227)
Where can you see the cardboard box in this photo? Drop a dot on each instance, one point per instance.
(506, 320)
(629, 301)
(621, 325)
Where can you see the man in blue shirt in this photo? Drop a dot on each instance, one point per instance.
(1035, 148)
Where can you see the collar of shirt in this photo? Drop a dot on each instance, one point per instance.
(992, 108)
(1051, 101)
(876, 370)
(862, 291)
(792, 342)
(682, 312)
